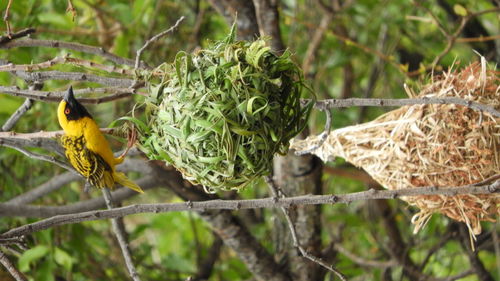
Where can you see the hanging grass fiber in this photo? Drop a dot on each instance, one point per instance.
(221, 114)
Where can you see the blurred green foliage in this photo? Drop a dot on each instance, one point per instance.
(167, 246)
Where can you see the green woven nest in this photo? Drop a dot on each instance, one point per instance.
(221, 114)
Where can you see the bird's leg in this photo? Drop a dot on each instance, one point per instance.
(131, 138)
(87, 186)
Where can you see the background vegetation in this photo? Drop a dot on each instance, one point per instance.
(347, 49)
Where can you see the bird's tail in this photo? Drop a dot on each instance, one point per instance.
(122, 179)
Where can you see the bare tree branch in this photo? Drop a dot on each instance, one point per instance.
(206, 265)
(40, 211)
(73, 76)
(62, 60)
(11, 122)
(336, 103)
(48, 144)
(316, 40)
(56, 96)
(11, 268)
(6, 18)
(120, 236)
(293, 231)
(153, 39)
(99, 51)
(17, 35)
(365, 262)
(476, 264)
(42, 190)
(50, 159)
(272, 202)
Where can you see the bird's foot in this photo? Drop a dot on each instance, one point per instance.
(131, 139)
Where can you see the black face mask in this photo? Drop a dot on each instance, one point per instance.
(74, 110)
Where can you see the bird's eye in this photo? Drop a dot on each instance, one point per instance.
(67, 111)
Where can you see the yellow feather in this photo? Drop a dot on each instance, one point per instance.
(89, 152)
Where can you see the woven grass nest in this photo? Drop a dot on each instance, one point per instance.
(431, 145)
(219, 115)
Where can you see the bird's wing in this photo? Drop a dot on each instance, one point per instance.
(88, 163)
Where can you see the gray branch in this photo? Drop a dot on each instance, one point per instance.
(10, 209)
(153, 39)
(11, 122)
(120, 237)
(272, 202)
(11, 268)
(72, 76)
(336, 103)
(45, 188)
(71, 46)
(56, 96)
(50, 159)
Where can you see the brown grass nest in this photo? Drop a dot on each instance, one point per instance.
(443, 145)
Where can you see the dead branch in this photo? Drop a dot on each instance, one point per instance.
(66, 59)
(17, 115)
(99, 51)
(17, 35)
(73, 76)
(337, 103)
(120, 236)
(6, 18)
(153, 39)
(51, 185)
(39, 211)
(56, 96)
(7, 209)
(276, 194)
(50, 159)
(18, 276)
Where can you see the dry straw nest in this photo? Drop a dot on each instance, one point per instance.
(442, 145)
(221, 114)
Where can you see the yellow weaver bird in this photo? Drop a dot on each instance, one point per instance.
(86, 148)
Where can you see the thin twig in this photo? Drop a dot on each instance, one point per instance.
(37, 156)
(56, 96)
(18, 276)
(17, 35)
(71, 9)
(316, 40)
(364, 262)
(63, 60)
(72, 76)
(9, 124)
(40, 211)
(478, 39)
(49, 186)
(337, 103)
(153, 39)
(99, 51)
(322, 137)
(6, 18)
(242, 204)
(278, 195)
(42, 134)
(120, 236)
(451, 37)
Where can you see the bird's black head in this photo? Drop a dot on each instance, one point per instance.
(73, 109)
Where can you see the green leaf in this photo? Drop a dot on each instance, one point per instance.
(32, 255)
(63, 258)
(460, 10)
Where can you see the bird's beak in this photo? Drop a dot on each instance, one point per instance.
(69, 97)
